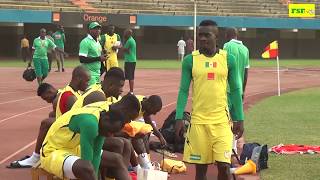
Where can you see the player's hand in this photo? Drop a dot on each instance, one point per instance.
(66, 54)
(163, 142)
(139, 135)
(179, 130)
(238, 129)
(103, 57)
(115, 47)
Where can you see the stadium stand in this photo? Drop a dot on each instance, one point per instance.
(257, 8)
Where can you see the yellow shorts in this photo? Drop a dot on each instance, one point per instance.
(53, 162)
(208, 143)
(112, 62)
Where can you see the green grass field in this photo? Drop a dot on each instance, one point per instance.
(292, 118)
(173, 64)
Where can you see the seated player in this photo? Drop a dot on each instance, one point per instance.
(85, 127)
(109, 90)
(149, 106)
(62, 101)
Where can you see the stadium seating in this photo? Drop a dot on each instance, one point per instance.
(259, 8)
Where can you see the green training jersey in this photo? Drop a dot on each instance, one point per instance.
(241, 54)
(131, 55)
(41, 47)
(89, 47)
(59, 39)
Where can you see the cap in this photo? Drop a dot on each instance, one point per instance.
(93, 25)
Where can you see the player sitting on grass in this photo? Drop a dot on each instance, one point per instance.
(62, 101)
(86, 127)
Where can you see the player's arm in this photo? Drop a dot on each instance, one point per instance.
(156, 132)
(119, 43)
(71, 99)
(247, 66)
(102, 40)
(93, 97)
(237, 115)
(186, 77)
(126, 47)
(87, 126)
(97, 152)
(33, 48)
(54, 107)
(64, 38)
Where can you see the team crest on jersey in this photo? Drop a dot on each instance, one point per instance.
(210, 76)
(210, 64)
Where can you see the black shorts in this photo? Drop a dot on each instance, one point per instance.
(129, 68)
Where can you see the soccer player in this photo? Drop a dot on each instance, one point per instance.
(241, 53)
(189, 46)
(40, 47)
(110, 89)
(60, 39)
(90, 52)
(149, 106)
(85, 127)
(25, 51)
(130, 57)
(209, 137)
(181, 49)
(62, 101)
(50, 53)
(111, 42)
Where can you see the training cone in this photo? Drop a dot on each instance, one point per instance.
(248, 168)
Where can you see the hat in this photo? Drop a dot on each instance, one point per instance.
(93, 25)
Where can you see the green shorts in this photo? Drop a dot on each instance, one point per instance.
(41, 67)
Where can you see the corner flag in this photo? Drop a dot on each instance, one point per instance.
(271, 51)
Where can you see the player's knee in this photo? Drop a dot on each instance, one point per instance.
(223, 167)
(83, 168)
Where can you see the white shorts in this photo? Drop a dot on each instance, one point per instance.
(67, 167)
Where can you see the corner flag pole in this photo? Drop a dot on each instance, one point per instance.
(278, 70)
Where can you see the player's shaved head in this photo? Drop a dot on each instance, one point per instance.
(43, 30)
(152, 104)
(80, 78)
(79, 71)
(231, 33)
(113, 82)
(42, 33)
(110, 29)
(127, 33)
(207, 37)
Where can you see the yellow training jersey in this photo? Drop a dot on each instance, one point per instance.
(92, 88)
(61, 91)
(24, 43)
(111, 41)
(209, 91)
(60, 137)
